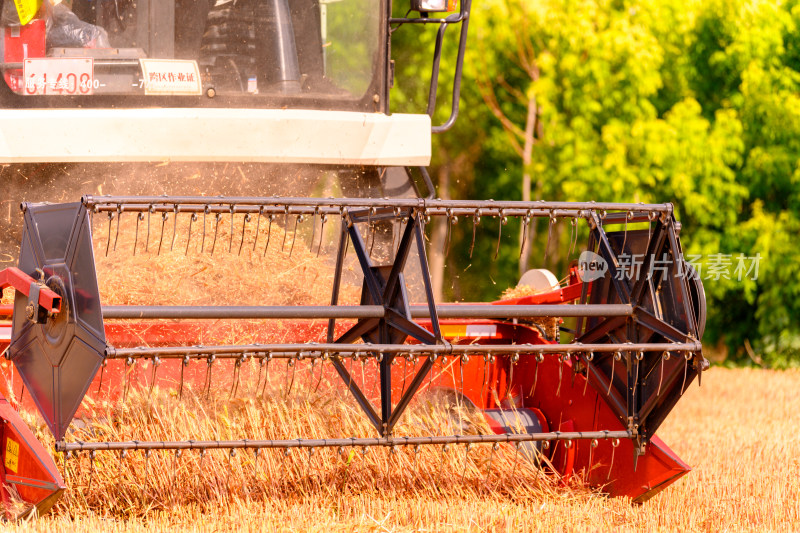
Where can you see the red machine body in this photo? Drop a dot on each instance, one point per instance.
(575, 406)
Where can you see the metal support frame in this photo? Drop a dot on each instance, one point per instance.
(626, 328)
(462, 17)
(62, 446)
(635, 406)
(395, 324)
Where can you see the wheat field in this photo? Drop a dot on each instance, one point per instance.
(736, 431)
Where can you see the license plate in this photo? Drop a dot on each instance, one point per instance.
(59, 76)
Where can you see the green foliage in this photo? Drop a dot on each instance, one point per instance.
(692, 102)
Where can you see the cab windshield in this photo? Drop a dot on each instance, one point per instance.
(250, 51)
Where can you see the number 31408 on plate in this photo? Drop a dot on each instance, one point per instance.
(59, 76)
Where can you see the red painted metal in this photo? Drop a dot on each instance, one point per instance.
(21, 282)
(550, 386)
(28, 471)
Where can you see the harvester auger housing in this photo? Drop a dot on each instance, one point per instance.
(589, 407)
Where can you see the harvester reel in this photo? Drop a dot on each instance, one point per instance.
(645, 270)
(57, 359)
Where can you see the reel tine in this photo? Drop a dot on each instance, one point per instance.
(483, 382)
(102, 372)
(512, 362)
(614, 358)
(230, 233)
(416, 460)
(445, 447)
(297, 220)
(147, 238)
(175, 458)
(192, 218)
(313, 230)
(551, 223)
(258, 226)
(405, 373)
(371, 227)
(476, 219)
(217, 216)
(321, 371)
(589, 358)
(269, 233)
(203, 242)
(164, 217)
(310, 379)
(174, 228)
(539, 358)
(495, 447)
(139, 216)
(231, 455)
(184, 364)
(451, 219)
(285, 228)
(525, 222)
(116, 235)
(323, 220)
(639, 358)
(129, 363)
(501, 223)
(245, 220)
(614, 444)
(293, 364)
(686, 358)
(560, 374)
(108, 237)
(156, 362)
(664, 357)
(267, 381)
(210, 367)
(147, 454)
(573, 236)
(260, 371)
(237, 370)
(466, 460)
(91, 470)
(628, 215)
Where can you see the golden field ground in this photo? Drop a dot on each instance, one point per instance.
(738, 431)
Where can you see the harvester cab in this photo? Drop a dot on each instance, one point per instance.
(117, 296)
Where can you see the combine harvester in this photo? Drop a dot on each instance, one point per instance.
(278, 84)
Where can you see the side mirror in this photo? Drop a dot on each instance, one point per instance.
(433, 6)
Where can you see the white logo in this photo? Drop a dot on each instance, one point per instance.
(591, 266)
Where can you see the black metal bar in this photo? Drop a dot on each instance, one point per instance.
(244, 204)
(410, 328)
(652, 323)
(400, 259)
(372, 283)
(62, 446)
(337, 277)
(654, 246)
(462, 46)
(426, 277)
(607, 252)
(357, 394)
(312, 350)
(313, 312)
(603, 328)
(422, 373)
(612, 397)
(352, 334)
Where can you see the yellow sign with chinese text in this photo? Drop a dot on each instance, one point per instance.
(12, 455)
(27, 9)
